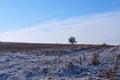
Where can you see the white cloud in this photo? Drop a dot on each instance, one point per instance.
(96, 28)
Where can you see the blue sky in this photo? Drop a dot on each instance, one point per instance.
(49, 19)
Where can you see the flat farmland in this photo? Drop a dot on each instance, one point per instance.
(12, 46)
(35, 61)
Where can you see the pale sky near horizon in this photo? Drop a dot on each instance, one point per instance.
(54, 21)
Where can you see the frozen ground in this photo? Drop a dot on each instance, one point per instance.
(67, 65)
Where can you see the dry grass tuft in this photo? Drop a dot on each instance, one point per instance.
(59, 55)
(118, 57)
(114, 49)
(84, 56)
(95, 59)
(110, 73)
(51, 78)
(70, 65)
(80, 60)
(89, 78)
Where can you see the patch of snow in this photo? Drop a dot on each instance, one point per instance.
(27, 66)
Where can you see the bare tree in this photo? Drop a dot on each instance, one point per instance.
(72, 40)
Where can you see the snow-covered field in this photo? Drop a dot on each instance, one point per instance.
(84, 64)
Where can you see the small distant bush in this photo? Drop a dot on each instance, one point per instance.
(104, 44)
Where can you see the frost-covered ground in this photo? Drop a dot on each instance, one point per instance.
(66, 65)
